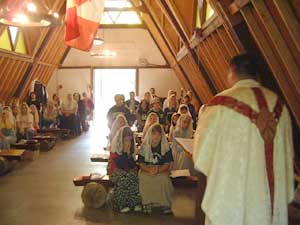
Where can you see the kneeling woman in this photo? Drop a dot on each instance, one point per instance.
(8, 129)
(124, 172)
(25, 123)
(155, 160)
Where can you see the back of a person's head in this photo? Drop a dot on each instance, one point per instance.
(245, 65)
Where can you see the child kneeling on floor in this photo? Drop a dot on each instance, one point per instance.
(124, 174)
(155, 160)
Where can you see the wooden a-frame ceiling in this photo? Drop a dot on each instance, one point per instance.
(270, 28)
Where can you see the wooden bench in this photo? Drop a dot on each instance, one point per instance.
(32, 145)
(84, 180)
(57, 132)
(12, 154)
(46, 142)
(99, 158)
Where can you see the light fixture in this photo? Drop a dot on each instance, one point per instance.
(104, 54)
(28, 13)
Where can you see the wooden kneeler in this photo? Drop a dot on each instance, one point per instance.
(7, 158)
(99, 158)
(46, 142)
(57, 132)
(94, 193)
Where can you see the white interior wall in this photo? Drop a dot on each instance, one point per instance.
(78, 80)
(72, 80)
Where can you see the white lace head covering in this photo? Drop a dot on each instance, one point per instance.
(116, 125)
(35, 113)
(148, 122)
(146, 150)
(117, 142)
(169, 100)
(9, 120)
(182, 106)
(27, 107)
(184, 133)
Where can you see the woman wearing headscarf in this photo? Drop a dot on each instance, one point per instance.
(36, 117)
(119, 122)
(7, 129)
(174, 120)
(50, 115)
(166, 102)
(155, 158)
(184, 109)
(152, 118)
(184, 129)
(25, 122)
(171, 108)
(124, 174)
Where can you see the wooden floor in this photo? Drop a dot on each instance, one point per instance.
(42, 192)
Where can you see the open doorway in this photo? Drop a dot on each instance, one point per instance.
(108, 83)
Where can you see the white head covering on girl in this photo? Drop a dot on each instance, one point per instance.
(117, 142)
(116, 125)
(148, 122)
(184, 133)
(146, 149)
(184, 106)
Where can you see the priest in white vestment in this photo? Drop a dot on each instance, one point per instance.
(232, 149)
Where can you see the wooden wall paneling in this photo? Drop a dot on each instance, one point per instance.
(10, 72)
(288, 88)
(278, 42)
(171, 34)
(228, 42)
(18, 77)
(210, 67)
(200, 85)
(50, 47)
(13, 78)
(222, 46)
(4, 73)
(8, 69)
(185, 13)
(220, 62)
(53, 70)
(25, 91)
(296, 8)
(287, 24)
(216, 75)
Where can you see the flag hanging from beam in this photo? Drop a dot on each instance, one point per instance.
(82, 22)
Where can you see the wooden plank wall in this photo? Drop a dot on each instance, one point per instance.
(45, 48)
(275, 27)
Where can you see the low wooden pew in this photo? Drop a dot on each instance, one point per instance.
(99, 158)
(57, 132)
(46, 142)
(32, 149)
(8, 158)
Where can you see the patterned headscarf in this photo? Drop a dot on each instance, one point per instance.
(146, 150)
(117, 142)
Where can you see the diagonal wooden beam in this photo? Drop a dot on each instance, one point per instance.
(172, 18)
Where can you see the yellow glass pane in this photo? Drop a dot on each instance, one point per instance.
(20, 46)
(209, 11)
(198, 21)
(4, 41)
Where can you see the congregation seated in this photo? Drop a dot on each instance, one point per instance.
(156, 108)
(124, 172)
(25, 122)
(152, 118)
(141, 115)
(7, 129)
(154, 160)
(183, 129)
(36, 117)
(32, 100)
(50, 115)
(118, 108)
(68, 115)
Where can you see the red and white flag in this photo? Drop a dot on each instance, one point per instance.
(82, 22)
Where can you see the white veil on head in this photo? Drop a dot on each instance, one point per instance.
(117, 142)
(186, 106)
(184, 133)
(148, 122)
(116, 126)
(146, 150)
(11, 123)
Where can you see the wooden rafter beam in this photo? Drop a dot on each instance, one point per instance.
(172, 18)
